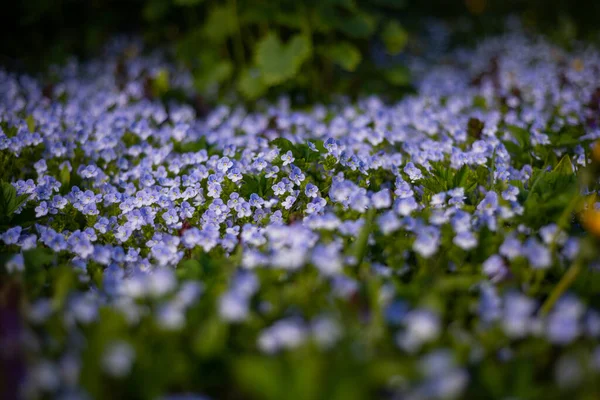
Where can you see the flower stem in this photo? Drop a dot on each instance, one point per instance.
(565, 282)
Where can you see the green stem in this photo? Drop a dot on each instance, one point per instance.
(565, 282)
(237, 42)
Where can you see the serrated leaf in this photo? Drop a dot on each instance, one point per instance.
(394, 37)
(344, 54)
(279, 62)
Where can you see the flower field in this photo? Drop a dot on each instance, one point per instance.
(442, 246)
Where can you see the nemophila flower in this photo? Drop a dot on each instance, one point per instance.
(489, 204)
(414, 173)
(143, 203)
(405, 206)
(118, 358)
(11, 236)
(233, 307)
(420, 326)
(40, 167)
(427, 241)
(287, 158)
(403, 189)
(465, 240)
(80, 244)
(538, 255)
(327, 259)
(495, 268)
(511, 248)
(15, 264)
(42, 377)
(552, 234)
(564, 324)
(511, 193)
(160, 282)
(288, 202)
(165, 254)
(325, 331)
(381, 199)
(282, 335)
(311, 190)
(457, 196)
(438, 200)
(517, 314)
(122, 233)
(170, 317)
(490, 304)
(571, 248)
(41, 209)
(84, 308)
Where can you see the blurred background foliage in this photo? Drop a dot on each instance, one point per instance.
(256, 48)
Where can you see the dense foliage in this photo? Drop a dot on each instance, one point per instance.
(431, 248)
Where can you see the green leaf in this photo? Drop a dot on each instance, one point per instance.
(259, 376)
(357, 26)
(37, 258)
(65, 176)
(211, 338)
(344, 54)
(30, 123)
(64, 281)
(187, 3)
(279, 62)
(250, 84)
(394, 37)
(9, 201)
(361, 245)
(521, 135)
(221, 23)
(398, 75)
(154, 10)
(160, 83)
(213, 74)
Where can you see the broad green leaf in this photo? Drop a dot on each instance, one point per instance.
(260, 377)
(187, 3)
(160, 83)
(221, 23)
(214, 74)
(211, 338)
(65, 176)
(250, 84)
(37, 258)
(398, 75)
(30, 123)
(279, 62)
(394, 37)
(357, 26)
(154, 10)
(344, 54)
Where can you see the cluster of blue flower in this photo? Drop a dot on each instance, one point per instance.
(136, 194)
